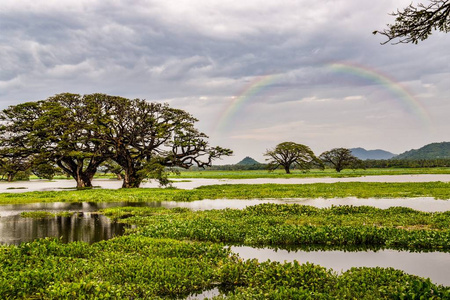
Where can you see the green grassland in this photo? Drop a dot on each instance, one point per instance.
(438, 190)
(247, 174)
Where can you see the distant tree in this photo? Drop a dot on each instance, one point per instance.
(288, 155)
(415, 23)
(43, 169)
(340, 158)
(11, 167)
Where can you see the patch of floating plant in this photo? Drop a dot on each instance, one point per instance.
(46, 214)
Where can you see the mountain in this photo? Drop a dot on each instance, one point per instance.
(248, 161)
(364, 154)
(430, 151)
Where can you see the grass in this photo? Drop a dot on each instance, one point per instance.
(217, 174)
(438, 190)
(248, 174)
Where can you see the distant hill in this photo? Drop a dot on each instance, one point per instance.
(248, 161)
(430, 151)
(364, 154)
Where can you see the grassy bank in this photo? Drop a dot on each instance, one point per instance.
(247, 174)
(438, 190)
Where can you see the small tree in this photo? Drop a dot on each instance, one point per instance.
(415, 23)
(340, 158)
(12, 167)
(44, 170)
(289, 154)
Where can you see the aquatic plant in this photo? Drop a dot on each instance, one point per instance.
(296, 225)
(138, 267)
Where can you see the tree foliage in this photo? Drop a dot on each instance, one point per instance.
(340, 158)
(11, 167)
(289, 154)
(79, 133)
(60, 130)
(146, 138)
(416, 23)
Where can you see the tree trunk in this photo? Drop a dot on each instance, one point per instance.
(131, 180)
(80, 183)
(83, 178)
(286, 168)
(86, 178)
(10, 177)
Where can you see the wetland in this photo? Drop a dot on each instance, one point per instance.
(274, 240)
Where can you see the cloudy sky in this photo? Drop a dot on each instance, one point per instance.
(255, 72)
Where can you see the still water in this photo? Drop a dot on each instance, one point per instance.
(90, 227)
(86, 227)
(433, 265)
(422, 204)
(191, 183)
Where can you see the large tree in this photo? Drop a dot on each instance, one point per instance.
(340, 158)
(60, 130)
(79, 133)
(416, 23)
(145, 138)
(289, 155)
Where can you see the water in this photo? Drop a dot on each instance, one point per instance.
(54, 185)
(422, 204)
(86, 227)
(425, 204)
(433, 265)
(89, 227)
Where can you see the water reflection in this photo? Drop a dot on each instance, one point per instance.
(84, 227)
(421, 204)
(425, 204)
(90, 228)
(433, 265)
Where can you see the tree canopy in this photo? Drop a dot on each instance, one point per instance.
(416, 23)
(340, 158)
(79, 133)
(290, 154)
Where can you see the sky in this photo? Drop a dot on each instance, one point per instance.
(255, 73)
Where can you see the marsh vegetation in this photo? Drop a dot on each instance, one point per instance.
(177, 252)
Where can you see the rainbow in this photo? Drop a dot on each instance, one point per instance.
(395, 88)
(249, 92)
